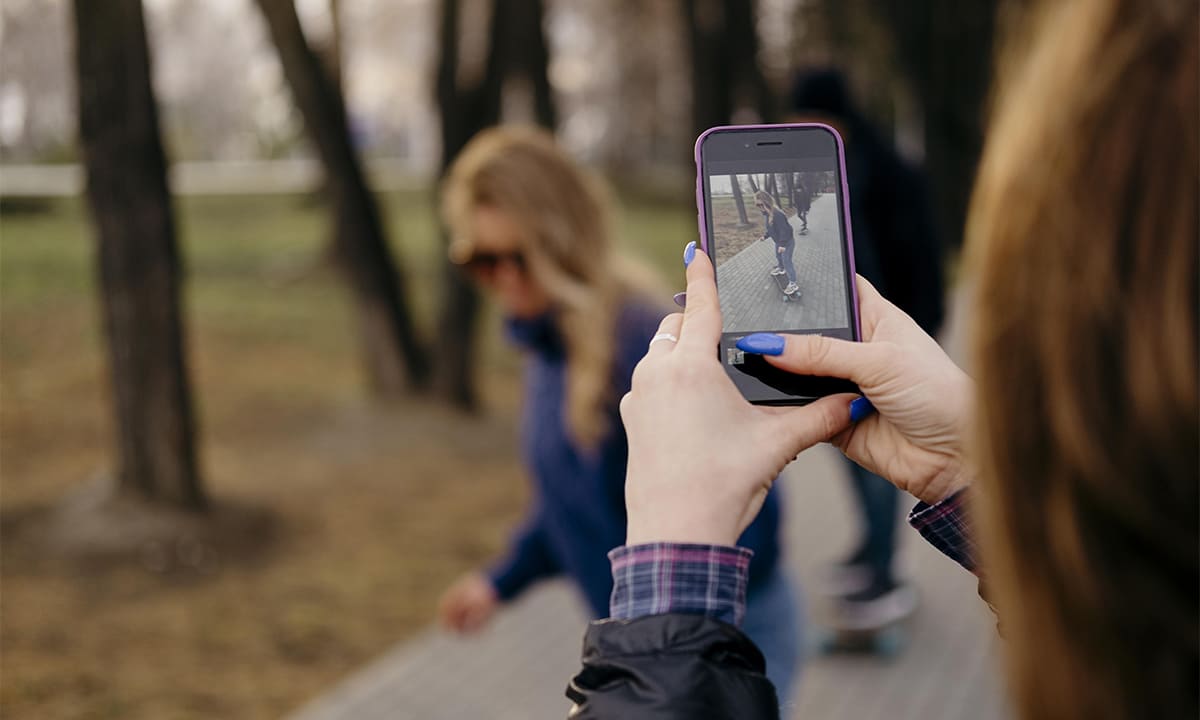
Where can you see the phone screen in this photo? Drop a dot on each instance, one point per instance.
(774, 221)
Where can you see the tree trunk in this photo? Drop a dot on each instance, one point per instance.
(712, 82)
(724, 54)
(741, 203)
(742, 46)
(333, 54)
(753, 185)
(946, 48)
(790, 182)
(139, 263)
(394, 357)
(517, 45)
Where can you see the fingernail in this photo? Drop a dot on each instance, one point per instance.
(680, 299)
(762, 344)
(860, 408)
(689, 253)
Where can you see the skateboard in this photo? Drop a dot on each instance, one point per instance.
(839, 634)
(782, 282)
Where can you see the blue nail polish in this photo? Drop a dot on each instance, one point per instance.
(860, 408)
(680, 299)
(689, 253)
(762, 344)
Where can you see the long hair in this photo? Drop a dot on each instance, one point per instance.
(765, 198)
(564, 217)
(1083, 234)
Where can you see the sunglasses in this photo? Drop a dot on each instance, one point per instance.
(484, 264)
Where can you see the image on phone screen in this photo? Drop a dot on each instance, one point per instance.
(779, 266)
(778, 236)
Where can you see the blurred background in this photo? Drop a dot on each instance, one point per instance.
(252, 422)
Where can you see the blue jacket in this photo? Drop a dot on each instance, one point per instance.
(777, 227)
(578, 508)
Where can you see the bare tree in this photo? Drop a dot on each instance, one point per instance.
(137, 252)
(946, 48)
(394, 356)
(516, 49)
(725, 70)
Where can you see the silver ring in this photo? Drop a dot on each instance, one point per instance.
(663, 336)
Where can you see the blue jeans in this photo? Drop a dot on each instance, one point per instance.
(877, 500)
(785, 260)
(774, 622)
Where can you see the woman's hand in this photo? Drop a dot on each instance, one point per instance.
(923, 400)
(468, 604)
(701, 458)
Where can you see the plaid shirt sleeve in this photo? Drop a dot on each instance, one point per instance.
(946, 526)
(659, 578)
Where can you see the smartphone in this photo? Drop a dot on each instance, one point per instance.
(774, 217)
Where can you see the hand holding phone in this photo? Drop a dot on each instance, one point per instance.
(748, 175)
(701, 459)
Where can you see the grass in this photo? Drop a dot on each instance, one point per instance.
(377, 507)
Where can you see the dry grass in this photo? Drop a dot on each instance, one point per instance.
(374, 508)
(731, 236)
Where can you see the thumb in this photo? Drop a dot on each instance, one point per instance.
(817, 422)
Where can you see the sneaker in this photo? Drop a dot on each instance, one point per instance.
(791, 289)
(842, 579)
(890, 607)
(778, 271)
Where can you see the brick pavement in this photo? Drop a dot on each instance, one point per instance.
(750, 297)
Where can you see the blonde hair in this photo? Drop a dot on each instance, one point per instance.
(1083, 233)
(564, 217)
(765, 198)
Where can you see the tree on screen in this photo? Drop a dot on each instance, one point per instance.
(741, 203)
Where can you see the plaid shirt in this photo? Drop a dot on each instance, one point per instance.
(659, 578)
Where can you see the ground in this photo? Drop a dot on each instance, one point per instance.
(373, 509)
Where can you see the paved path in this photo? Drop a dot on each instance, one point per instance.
(750, 298)
(520, 666)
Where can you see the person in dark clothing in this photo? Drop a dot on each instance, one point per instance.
(780, 231)
(802, 198)
(531, 229)
(897, 249)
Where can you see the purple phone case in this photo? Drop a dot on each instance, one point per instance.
(841, 151)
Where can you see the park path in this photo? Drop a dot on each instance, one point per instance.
(519, 667)
(750, 297)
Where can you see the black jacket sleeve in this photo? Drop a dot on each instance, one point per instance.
(670, 666)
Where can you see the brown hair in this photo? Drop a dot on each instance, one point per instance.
(1083, 234)
(563, 213)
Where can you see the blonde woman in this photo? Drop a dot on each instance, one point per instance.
(777, 227)
(532, 229)
(1064, 473)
